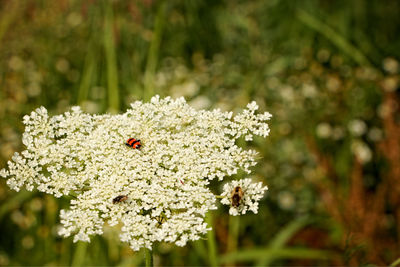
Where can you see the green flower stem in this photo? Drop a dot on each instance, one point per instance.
(212, 246)
(79, 255)
(234, 223)
(148, 254)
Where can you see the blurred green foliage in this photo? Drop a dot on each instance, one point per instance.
(327, 70)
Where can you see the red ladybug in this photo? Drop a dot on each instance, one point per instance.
(133, 143)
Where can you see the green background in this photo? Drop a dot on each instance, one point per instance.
(328, 71)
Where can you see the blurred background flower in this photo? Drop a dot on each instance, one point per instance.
(327, 70)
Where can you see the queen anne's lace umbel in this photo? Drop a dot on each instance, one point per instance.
(163, 184)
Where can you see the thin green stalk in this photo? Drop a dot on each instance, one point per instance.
(234, 223)
(87, 75)
(79, 255)
(111, 61)
(152, 55)
(333, 36)
(90, 63)
(212, 245)
(148, 253)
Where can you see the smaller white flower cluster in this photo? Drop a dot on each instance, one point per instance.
(242, 195)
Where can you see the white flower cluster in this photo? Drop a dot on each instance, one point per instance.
(158, 192)
(244, 193)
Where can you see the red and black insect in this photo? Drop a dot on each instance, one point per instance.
(133, 143)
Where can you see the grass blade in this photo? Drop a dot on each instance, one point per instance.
(337, 39)
(87, 76)
(395, 263)
(111, 61)
(287, 232)
(282, 238)
(152, 55)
